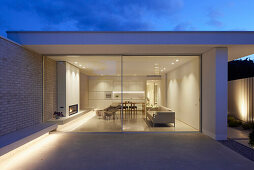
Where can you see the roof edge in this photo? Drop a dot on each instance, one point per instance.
(129, 32)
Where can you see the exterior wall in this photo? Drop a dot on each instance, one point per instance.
(214, 93)
(240, 99)
(50, 93)
(20, 87)
(184, 92)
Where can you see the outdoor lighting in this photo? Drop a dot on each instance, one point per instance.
(29, 151)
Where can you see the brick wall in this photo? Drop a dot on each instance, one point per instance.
(50, 94)
(20, 87)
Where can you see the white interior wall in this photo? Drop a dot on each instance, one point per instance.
(100, 85)
(150, 92)
(67, 87)
(84, 90)
(183, 92)
(72, 86)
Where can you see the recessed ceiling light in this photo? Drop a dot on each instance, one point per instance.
(84, 67)
(161, 70)
(177, 60)
(76, 62)
(172, 63)
(80, 65)
(164, 68)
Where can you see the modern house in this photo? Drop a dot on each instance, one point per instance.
(123, 81)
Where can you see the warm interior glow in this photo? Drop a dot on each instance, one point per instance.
(129, 92)
(74, 124)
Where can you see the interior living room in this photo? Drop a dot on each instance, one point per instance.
(128, 93)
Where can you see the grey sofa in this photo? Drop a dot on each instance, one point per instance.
(161, 114)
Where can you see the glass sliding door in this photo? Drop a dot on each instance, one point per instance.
(161, 93)
(132, 93)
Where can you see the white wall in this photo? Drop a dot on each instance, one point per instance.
(99, 85)
(72, 86)
(214, 93)
(84, 90)
(183, 93)
(68, 86)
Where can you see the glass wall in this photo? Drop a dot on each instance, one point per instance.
(162, 93)
(137, 93)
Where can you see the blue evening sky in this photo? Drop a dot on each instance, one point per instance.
(127, 15)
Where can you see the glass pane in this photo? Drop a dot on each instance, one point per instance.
(100, 97)
(161, 93)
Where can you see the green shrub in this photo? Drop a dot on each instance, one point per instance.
(251, 138)
(247, 125)
(233, 122)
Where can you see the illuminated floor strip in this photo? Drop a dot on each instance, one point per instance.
(71, 126)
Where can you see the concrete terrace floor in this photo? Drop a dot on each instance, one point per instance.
(126, 151)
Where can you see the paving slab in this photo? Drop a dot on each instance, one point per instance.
(128, 151)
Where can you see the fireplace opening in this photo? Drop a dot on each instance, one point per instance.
(73, 109)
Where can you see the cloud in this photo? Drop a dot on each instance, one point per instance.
(214, 18)
(99, 15)
(186, 26)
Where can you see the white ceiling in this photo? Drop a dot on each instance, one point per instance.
(132, 65)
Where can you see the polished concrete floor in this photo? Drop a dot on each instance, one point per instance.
(117, 151)
(130, 123)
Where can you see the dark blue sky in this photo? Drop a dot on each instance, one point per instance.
(126, 15)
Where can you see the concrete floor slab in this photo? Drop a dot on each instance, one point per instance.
(127, 151)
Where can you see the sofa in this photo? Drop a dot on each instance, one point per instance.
(161, 114)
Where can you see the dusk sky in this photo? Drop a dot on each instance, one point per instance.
(123, 15)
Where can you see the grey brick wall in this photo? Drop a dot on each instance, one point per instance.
(20, 87)
(50, 94)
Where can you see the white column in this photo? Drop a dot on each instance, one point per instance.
(214, 93)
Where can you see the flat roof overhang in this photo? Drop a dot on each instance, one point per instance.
(239, 43)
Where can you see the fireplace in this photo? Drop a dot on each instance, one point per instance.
(73, 109)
